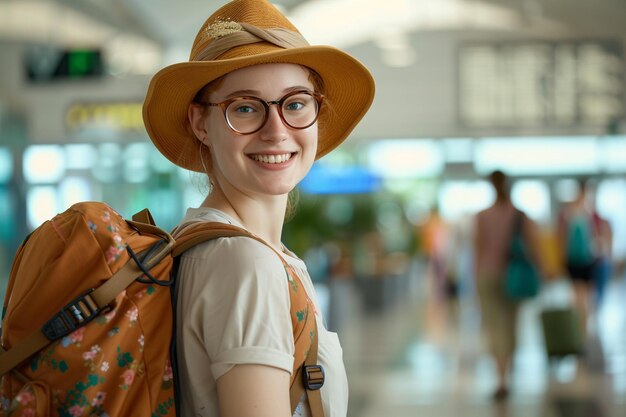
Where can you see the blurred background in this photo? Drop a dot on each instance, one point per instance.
(535, 88)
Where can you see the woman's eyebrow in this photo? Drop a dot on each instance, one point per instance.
(257, 93)
(240, 93)
(296, 88)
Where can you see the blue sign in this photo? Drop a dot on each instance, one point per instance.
(340, 180)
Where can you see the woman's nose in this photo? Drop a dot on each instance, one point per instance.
(275, 128)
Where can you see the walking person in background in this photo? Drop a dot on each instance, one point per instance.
(253, 108)
(580, 241)
(434, 238)
(494, 228)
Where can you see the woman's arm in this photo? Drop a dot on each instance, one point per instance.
(254, 391)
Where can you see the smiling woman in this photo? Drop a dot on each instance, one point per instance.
(254, 150)
(252, 110)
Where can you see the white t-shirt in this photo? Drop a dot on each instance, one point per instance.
(233, 308)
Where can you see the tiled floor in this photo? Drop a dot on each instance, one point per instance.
(414, 357)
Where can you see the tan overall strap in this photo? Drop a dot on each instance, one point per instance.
(192, 234)
(99, 299)
(297, 389)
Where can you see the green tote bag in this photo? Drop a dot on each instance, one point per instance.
(522, 279)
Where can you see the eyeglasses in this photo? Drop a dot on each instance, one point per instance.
(247, 115)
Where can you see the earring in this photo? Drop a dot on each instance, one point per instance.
(206, 171)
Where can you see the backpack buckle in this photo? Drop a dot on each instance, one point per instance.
(75, 314)
(313, 377)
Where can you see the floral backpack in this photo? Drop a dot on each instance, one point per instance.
(88, 318)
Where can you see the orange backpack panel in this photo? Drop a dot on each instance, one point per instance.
(119, 362)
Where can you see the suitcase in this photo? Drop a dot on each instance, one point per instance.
(562, 332)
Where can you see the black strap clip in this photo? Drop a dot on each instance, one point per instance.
(313, 377)
(75, 314)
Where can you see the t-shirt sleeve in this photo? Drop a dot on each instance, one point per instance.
(238, 304)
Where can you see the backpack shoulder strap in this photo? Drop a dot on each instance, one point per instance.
(195, 233)
(309, 376)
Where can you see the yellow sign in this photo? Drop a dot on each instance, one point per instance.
(104, 116)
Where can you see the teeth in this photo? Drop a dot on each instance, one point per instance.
(272, 159)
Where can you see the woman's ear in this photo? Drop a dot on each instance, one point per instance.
(196, 114)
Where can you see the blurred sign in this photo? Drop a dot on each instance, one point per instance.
(541, 83)
(45, 64)
(339, 180)
(104, 117)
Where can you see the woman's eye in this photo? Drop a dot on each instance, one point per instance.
(245, 109)
(294, 105)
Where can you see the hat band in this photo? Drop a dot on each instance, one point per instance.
(251, 34)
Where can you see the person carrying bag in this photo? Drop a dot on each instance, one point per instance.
(522, 280)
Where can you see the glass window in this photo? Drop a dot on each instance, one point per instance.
(538, 156)
(165, 206)
(159, 163)
(397, 158)
(80, 156)
(458, 150)
(565, 190)
(44, 164)
(7, 218)
(42, 203)
(107, 166)
(341, 157)
(532, 197)
(614, 153)
(73, 190)
(136, 163)
(6, 165)
(460, 198)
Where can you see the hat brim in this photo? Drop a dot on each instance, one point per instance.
(349, 91)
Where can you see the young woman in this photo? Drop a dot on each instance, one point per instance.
(582, 237)
(253, 108)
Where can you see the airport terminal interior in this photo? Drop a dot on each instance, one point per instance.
(386, 223)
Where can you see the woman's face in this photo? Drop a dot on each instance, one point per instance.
(273, 160)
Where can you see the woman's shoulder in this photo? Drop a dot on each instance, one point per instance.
(228, 265)
(207, 214)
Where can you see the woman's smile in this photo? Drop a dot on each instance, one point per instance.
(273, 161)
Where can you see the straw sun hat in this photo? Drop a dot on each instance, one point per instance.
(240, 34)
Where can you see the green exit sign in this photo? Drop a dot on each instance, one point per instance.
(50, 64)
(83, 63)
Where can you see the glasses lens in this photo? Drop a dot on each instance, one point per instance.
(300, 110)
(245, 115)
